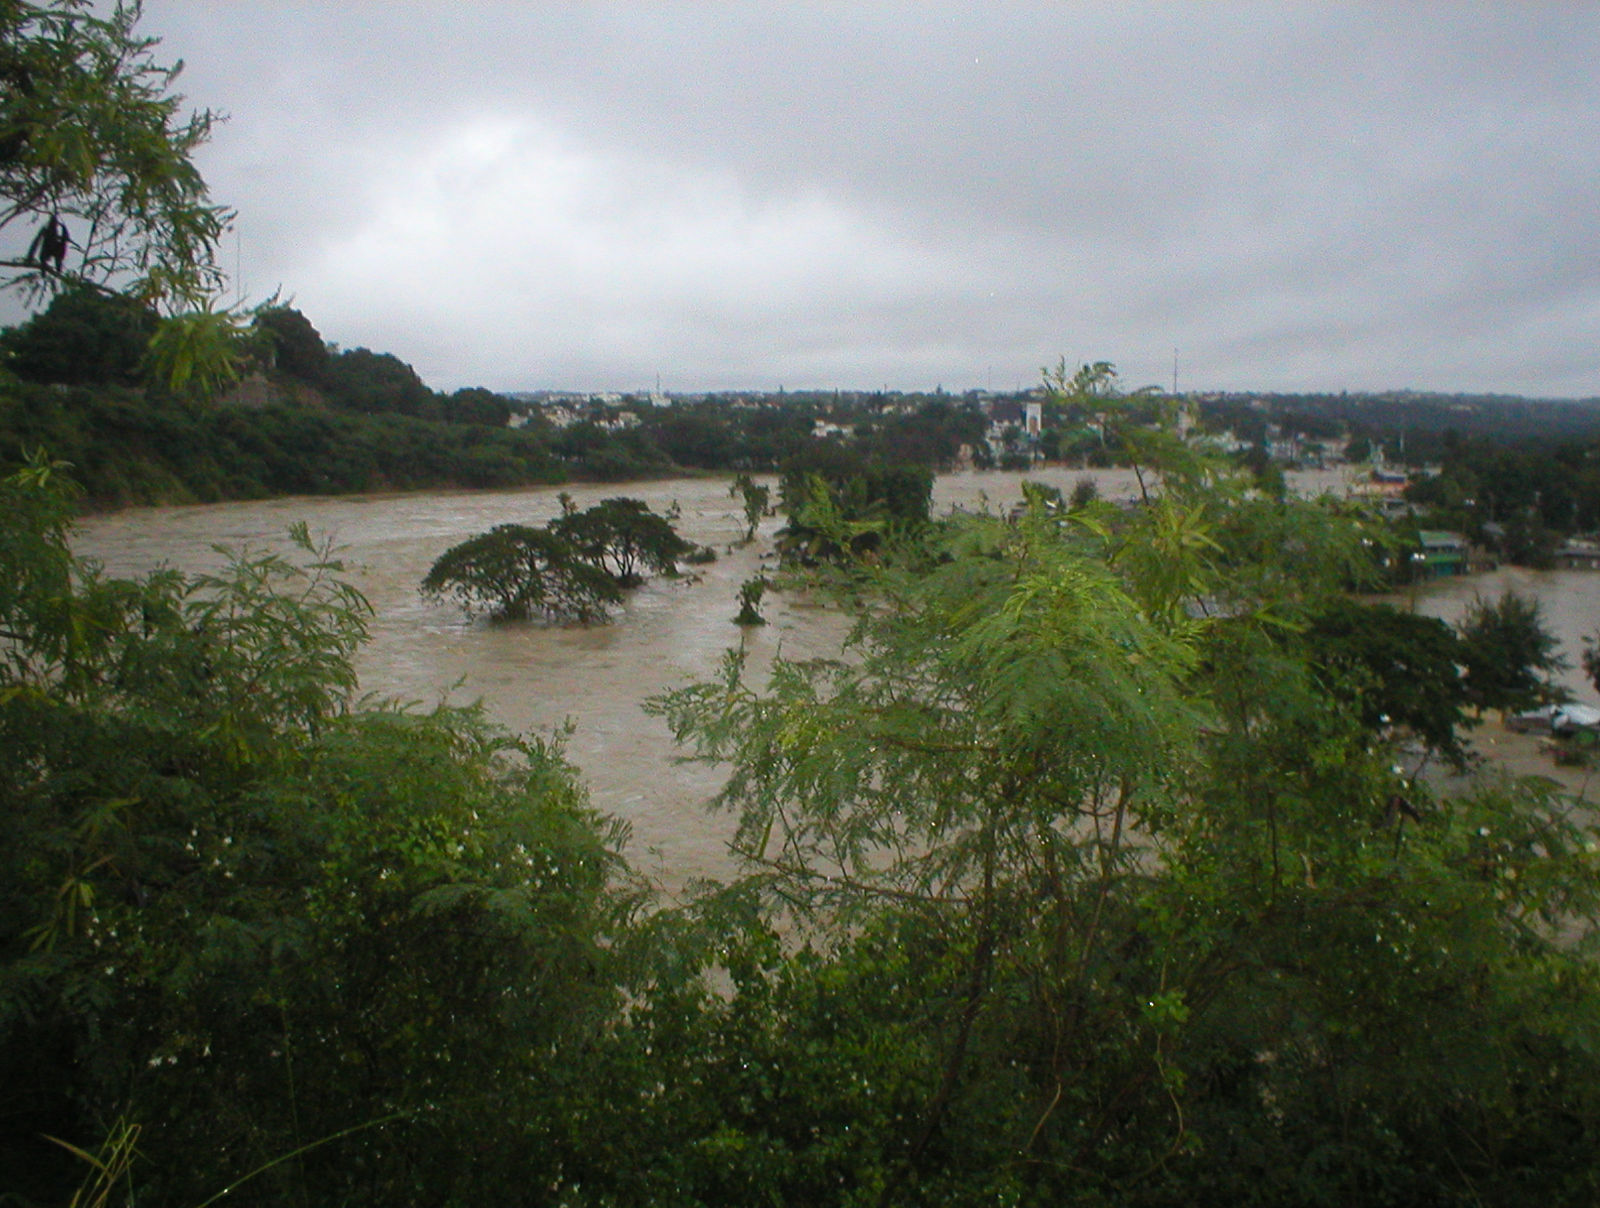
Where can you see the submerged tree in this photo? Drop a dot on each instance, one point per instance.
(625, 538)
(514, 572)
(1508, 653)
(755, 498)
(570, 569)
(750, 593)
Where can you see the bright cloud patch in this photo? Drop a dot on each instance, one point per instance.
(528, 243)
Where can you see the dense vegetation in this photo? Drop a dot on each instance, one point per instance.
(333, 422)
(1411, 426)
(241, 914)
(838, 500)
(1520, 499)
(129, 449)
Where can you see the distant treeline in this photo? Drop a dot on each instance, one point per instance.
(126, 448)
(1519, 500)
(1411, 426)
(1514, 475)
(308, 418)
(314, 419)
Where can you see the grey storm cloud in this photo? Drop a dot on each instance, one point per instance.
(1304, 196)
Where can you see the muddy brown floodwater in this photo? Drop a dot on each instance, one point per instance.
(535, 678)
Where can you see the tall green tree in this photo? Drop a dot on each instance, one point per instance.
(983, 777)
(97, 159)
(297, 347)
(476, 405)
(84, 337)
(376, 383)
(1401, 669)
(1128, 886)
(1508, 653)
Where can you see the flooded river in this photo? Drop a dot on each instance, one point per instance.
(1569, 602)
(670, 632)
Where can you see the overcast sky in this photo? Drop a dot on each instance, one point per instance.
(587, 196)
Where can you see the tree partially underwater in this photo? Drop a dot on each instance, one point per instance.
(571, 569)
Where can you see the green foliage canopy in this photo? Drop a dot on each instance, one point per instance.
(197, 354)
(84, 337)
(1116, 895)
(570, 569)
(1507, 652)
(476, 405)
(375, 383)
(148, 448)
(297, 347)
(839, 501)
(96, 159)
(515, 571)
(1401, 668)
(625, 538)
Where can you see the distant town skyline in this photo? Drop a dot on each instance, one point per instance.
(1309, 197)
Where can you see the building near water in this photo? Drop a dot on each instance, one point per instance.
(1443, 553)
(1578, 553)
